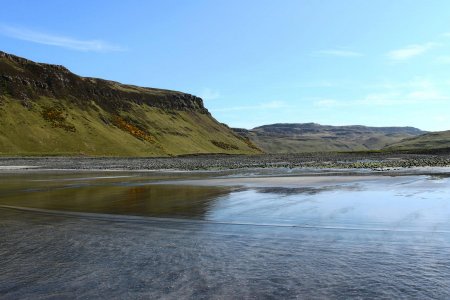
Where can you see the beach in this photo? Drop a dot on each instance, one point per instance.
(221, 233)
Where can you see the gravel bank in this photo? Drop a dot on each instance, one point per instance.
(373, 161)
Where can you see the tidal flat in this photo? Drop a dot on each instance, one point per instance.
(251, 233)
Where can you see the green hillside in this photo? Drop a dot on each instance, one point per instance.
(311, 137)
(428, 141)
(47, 110)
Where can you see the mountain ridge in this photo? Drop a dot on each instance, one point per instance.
(317, 126)
(28, 80)
(47, 110)
(311, 137)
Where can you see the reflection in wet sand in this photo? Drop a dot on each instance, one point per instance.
(160, 200)
(370, 202)
(47, 256)
(151, 235)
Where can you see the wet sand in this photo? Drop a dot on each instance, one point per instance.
(294, 181)
(247, 233)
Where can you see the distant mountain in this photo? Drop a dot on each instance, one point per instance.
(429, 141)
(311, 137)
(47, 110)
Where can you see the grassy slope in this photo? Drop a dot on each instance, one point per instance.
(277, 144)
(47, 110)
(24, 131)
(433, 140)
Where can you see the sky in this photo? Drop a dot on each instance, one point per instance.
(256, 62)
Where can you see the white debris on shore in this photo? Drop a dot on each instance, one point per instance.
(18, 167)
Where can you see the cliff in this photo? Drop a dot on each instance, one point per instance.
(47, 110)
(26, 80)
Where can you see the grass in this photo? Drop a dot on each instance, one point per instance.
(52, 128)
(96, 117)
(429, 141)
(285, 144)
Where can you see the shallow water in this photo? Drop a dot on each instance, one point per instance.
(184, 235)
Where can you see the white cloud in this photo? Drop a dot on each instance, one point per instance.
(340, 53)
(209, 94)
(427, 96)
(58, 40)
(417, 91)
(410, 51)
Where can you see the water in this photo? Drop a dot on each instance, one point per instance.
(181, 235)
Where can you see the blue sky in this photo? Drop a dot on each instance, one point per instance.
(338, 62)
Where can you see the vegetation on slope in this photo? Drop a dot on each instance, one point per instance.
(428, 141)
(311, 137)
(47, 110)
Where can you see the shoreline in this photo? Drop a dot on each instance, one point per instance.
(317, 162)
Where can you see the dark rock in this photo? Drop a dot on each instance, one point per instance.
(58, 82)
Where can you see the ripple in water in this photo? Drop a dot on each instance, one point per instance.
(373, 239)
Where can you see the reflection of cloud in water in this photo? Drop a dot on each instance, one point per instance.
(341, 211)
(342, 201)
(411, 217)
(290, 191)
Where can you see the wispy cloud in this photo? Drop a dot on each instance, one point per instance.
(260, 106)
(410, 51)
(209, 94)
(416, 91)
(58, 40)
(339, 53)
(393, 94)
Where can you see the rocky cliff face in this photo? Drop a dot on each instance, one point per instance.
(25, 80)
(47, 110)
